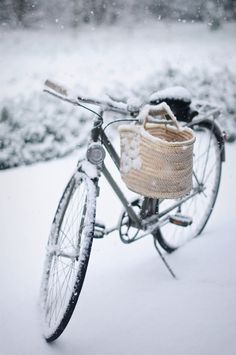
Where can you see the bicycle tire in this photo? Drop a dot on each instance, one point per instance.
(208, 146)
(68, 251)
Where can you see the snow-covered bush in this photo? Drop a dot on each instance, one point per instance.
(38, 127)
(215, 86)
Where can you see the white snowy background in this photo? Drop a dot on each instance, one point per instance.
(129, 303)
(122, 61)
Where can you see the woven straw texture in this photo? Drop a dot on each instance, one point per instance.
(157, 159)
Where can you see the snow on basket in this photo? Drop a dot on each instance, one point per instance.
(157, 158)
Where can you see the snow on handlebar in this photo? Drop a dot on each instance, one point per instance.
(105, 103)
(141, 112)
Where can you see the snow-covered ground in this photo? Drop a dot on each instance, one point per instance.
(129, 303)
(121, 61)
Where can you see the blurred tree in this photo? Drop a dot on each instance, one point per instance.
(18, 12)
(214, 14)
(76, 11)
(73, 13)
(6, 11)
(230, 9)
(20, 8)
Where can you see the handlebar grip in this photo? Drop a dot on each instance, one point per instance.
(56, 87)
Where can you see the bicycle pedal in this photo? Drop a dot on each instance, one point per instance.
(180, 220)
(99, 230)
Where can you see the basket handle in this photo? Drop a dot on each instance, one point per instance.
(162, 109)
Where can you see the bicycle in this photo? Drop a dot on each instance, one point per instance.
(171, 222)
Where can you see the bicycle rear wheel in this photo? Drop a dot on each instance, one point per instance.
(207, 166)
(68, 252)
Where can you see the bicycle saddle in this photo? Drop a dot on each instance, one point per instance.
(179, 100)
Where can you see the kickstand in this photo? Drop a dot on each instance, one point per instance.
(164, 261)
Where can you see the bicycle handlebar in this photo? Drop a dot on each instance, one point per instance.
(142, 112)
(62, 93)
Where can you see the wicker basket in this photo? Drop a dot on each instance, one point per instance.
(157, 159)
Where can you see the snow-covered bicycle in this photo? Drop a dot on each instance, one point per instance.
(171, 222)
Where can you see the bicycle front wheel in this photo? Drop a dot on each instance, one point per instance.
(68, 252)
(207, 165)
